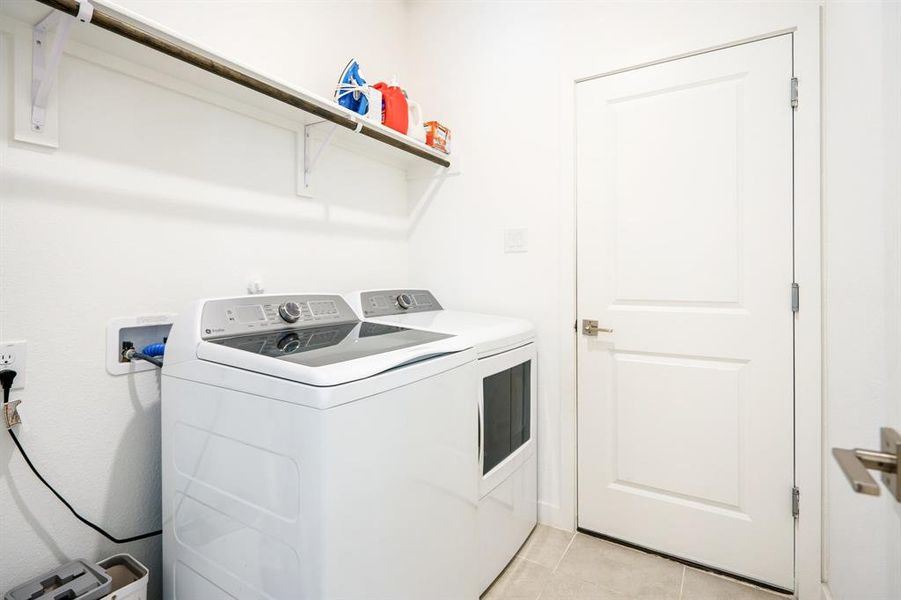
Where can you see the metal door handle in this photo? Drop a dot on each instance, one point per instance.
(590, 327)
(855, 463)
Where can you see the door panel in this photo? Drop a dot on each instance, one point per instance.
(653, 393)
(697, 261)
(684, 181)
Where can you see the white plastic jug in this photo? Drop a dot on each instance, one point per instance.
(414, 124)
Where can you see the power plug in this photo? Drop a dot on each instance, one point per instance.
(9, 412)
(13, 356)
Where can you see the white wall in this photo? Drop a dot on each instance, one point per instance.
(154, 199)
(862, 260)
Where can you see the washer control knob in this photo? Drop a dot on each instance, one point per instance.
(288, 343)
(289, 311)
(404, 301)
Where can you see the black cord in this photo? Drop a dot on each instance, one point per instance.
(6, 379)
(151, 359)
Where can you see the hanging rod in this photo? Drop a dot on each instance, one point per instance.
(105, 20)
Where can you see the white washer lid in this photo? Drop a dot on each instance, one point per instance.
(330, 355)
(486, 333)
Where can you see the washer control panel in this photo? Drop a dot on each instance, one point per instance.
(254, 314)
(395, 302)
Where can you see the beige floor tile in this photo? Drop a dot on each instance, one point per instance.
(699, 585)
(521, 580)
(637, 575)
(546, 545)
(562, 587)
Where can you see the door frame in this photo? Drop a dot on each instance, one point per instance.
(806, 35)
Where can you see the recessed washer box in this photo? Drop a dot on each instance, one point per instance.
(139, 331)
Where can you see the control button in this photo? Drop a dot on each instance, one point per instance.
(289, 311)
(404, 301)
(288, 343)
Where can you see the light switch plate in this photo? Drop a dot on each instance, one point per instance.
(12, 356)
(516, 240)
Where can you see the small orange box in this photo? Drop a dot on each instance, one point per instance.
(437, 136)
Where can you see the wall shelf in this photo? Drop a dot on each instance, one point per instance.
(125, 36)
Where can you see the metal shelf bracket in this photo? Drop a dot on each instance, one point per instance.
(44, 62)
(308, 156)
(422, 188)
(440, 173)
(315, 138)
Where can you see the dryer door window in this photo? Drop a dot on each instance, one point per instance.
(507, 397)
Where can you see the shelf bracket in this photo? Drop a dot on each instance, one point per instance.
(422, 188)
(440, 173)
(308, 154)
(45, 62)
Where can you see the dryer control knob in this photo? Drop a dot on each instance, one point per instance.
(404, 301)
(289, 311)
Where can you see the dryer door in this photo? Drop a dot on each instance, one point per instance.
(507, 414)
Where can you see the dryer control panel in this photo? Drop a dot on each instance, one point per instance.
(395, 302)
(253, 314)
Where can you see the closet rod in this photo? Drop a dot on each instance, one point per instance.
(103, 19)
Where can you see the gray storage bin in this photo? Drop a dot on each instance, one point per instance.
(77, 580)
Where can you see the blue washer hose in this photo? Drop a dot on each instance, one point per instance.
(154, 350)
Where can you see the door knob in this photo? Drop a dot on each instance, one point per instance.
(590, 327)
(855, 464)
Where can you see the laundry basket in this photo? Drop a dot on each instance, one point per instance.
(129, 578)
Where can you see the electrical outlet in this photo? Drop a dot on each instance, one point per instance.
(12, 356)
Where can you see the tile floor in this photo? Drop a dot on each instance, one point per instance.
(559, 565)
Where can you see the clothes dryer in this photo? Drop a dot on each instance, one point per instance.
(506, 395)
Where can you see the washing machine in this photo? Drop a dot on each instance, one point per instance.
(309, 455)
(506, 396)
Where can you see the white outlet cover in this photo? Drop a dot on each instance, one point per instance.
(13, 356)
(516, 240)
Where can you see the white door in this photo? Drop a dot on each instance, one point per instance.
(685, 420)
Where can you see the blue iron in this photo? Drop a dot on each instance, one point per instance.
(351, 91)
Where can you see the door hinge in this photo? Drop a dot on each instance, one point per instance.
(796, 502)
(794, 92)
(796, 297)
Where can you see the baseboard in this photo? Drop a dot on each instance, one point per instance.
(554, 516)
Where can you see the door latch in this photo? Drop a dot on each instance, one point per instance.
(590, 327)
(855, 463)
